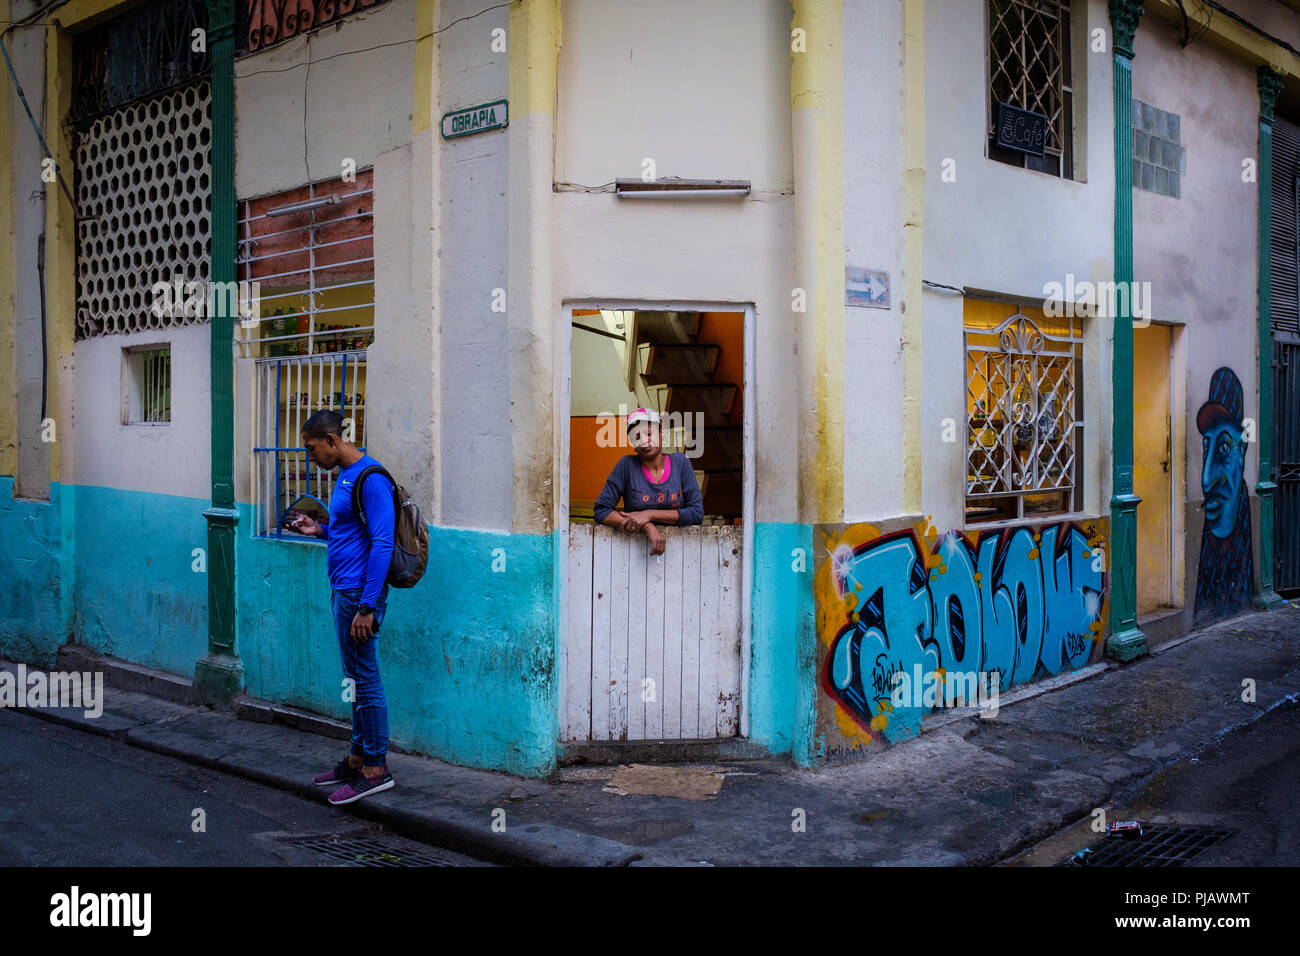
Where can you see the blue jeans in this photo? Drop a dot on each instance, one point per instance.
(361, 664)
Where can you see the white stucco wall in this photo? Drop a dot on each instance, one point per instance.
(476, 476)
(873, 239)
(686, 83)
(173, 459)
(358, 105)
(1200, 252)
(1008, 230)
(712, 101)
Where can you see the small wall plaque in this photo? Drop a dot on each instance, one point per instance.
(868, 288)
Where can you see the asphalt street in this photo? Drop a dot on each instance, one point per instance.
(69, 798)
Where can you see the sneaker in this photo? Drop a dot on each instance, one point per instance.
(340, 774)
(361, 786)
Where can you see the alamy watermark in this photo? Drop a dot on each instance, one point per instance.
(947, 689)
(196, 299)
(1097, 299)
(55, 689)
(678, 428)
(77, 909)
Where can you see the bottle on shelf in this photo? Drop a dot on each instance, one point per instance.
(277, 329)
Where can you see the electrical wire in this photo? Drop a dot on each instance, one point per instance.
(381, 46)
(36, 128)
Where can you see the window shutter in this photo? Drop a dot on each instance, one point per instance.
(1286, 167)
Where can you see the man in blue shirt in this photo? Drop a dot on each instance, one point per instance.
(358, 571)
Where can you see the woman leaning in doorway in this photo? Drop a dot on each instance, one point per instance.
(655, 488)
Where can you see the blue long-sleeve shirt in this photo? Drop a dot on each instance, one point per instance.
(356, 560)
(678, 490)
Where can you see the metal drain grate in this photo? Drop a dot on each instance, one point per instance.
(1159, 845)
(374, 853)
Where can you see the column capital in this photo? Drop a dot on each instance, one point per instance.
(1124, 17)
(1270, 85)
(221, 17)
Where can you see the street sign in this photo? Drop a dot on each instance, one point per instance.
(476, 119)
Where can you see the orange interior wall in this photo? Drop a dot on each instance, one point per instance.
(727, 331)
(589, 464)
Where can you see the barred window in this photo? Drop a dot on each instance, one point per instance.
(286, 392)
(1024, 412)
(307, 259)
(1030, 68)
(307, 276)
(147, 398)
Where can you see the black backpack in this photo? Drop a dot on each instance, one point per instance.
(410, 536)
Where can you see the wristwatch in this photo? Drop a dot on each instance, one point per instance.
(365, 609)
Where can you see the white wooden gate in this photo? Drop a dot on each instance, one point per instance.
(653, 641)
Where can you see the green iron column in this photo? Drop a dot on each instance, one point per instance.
(1126, 640)
(218, 676)
(1270, 85)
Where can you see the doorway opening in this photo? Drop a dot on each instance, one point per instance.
(656, 644)
(1154, 469)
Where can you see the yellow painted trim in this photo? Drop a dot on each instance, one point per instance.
(76, 11)
(913, 233)
(8, 278)
(534, 43)
(60, 240)
(1227, 33)
(817, 86)
(426, 16)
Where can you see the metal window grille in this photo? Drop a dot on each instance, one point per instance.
(137, 54)
(1025, 418)
(1029, 67)
(149, 386)
(286, 393)
(314, 268)
(143, 176)
(264, 23)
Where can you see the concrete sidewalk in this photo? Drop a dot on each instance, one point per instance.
(968, 791)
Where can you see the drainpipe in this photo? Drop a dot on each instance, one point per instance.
(1270, 85)
(1126, 640)
(218, 676)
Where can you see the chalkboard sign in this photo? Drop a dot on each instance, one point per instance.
(1022, 130)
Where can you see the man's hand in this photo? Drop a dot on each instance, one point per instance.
(363, 627)
(657, 540)
(305, 524)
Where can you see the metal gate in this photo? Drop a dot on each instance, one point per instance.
(1286, 417)
(653, 642)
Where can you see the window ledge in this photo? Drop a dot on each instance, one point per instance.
(291, 539)
(1036, 172)
(1054, 518)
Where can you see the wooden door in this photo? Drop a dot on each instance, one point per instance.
(653, 641)
(1152, 466)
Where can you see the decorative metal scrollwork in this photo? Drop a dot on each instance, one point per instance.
(264, 23)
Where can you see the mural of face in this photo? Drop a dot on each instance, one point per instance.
(1225, 581)
(1223, 468)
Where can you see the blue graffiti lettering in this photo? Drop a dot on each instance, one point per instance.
(1013, 606)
